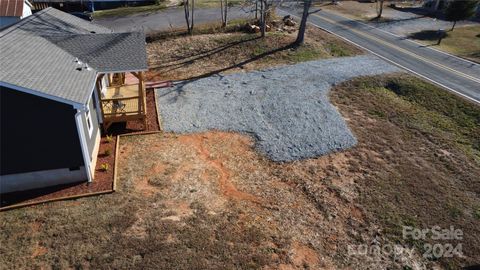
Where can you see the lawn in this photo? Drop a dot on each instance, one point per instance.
(125, 11)
(210, 201)
(462, 41)
(200, 55)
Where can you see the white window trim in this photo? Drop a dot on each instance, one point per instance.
(88, 119)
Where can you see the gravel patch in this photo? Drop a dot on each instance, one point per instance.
(286, 109)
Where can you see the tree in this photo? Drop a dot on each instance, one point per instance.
(459, 10)
(223, 10)
(263, 17)
(303, 23)
(189, 8)
(379, 6)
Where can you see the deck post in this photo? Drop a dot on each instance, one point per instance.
(97, 84)
(144, 98)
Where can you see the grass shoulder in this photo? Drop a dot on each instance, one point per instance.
(427, 140)
(462, 41)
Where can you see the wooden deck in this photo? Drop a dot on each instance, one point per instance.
(130, 90)
(121, 101)
(124, 102)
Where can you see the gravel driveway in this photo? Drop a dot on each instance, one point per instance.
(286, 109)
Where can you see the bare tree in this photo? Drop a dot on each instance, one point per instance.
(459, 10)
(224, 9)
(263, 18)
(262, 10)
(189, 8)
(303, 22)
(379, 6)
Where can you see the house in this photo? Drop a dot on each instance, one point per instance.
(87, 5)
(61, 80)
(11, 11)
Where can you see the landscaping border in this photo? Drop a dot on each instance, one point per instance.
(115, 170)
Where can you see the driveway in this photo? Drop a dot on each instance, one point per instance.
(167, 19)
(286, 109)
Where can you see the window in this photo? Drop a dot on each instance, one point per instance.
(88, 118)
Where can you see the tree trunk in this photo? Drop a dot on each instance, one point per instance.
(379, 8)
(186, 8)
(191, 22)
(453, 26)
(224, 7)
(263, 23)
(303, 23)
(221, 12)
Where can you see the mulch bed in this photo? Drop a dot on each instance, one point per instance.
(103, 180)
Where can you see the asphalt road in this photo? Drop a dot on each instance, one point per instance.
(455, 74)
(167, 19)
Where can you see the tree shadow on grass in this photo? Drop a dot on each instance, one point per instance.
(425, 35)
(188, 60)
(179, 87)
(185, 60)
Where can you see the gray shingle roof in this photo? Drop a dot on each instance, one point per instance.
(39, 53)
(106, 52)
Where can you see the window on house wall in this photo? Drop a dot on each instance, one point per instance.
(88, 118)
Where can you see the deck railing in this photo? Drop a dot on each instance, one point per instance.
(122, 106)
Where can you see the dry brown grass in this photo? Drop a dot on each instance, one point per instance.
(201, 55)
(210, 201)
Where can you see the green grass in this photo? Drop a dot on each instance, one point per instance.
(462, 41)
(305, 53)
(125, 11)
(437, 112)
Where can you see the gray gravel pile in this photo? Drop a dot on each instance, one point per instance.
(286, 109)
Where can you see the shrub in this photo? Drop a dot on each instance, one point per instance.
(104, 167)
(109, 138)
(107, 152)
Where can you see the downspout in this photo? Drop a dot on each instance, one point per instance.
(83, 143)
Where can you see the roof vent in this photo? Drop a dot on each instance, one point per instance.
(87, 67)
(78, 61)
